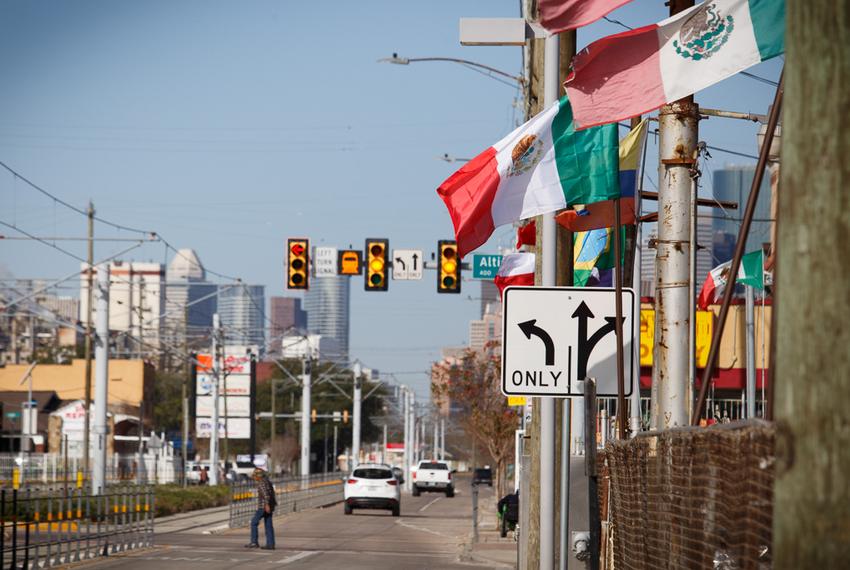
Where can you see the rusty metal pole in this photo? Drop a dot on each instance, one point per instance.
(677, 141)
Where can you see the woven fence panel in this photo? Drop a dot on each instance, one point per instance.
(693, 498)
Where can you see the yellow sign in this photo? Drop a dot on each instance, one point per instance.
(349, 262)
(516, 400)
(704, 329)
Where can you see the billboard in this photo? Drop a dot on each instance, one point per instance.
(235, 395)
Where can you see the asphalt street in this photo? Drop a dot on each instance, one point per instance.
(430, 533)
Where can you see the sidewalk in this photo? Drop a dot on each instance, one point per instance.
(491, 548)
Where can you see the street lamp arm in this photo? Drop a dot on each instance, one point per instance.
(407, 60)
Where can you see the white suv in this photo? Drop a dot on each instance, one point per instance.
(372, 486)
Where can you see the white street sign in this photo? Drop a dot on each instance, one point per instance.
(325, 261)
(555, 337)
(407, 264)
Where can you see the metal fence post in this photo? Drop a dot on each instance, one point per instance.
(474, 513)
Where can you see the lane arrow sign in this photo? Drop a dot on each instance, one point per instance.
(400, 261)
(415, 257)
(530, 328)
(585, 344)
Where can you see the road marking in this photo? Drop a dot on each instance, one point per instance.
(429, 504)
(419, 528)
(296, 557)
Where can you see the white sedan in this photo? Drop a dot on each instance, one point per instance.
(372, 486)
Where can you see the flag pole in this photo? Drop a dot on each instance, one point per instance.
(743, 233)
(618, 324)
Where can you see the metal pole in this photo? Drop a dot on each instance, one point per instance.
(306, 385)
(442, 439)
(88, 340)
(101, 351)
(273, 426)
(634, 399)
(547, 405)
(405, 462)
(411, 426)
(751, 352)
(435, 445)
(358, 398)
(749, 211)
(216, 362)
(335, 454)
(422, 439)
(565, 483)
(677, 145)
(692, 293)
(384, 452)
(618, 326)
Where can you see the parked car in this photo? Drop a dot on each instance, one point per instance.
(399, 474)
(372, 486)
(482, 476)
(433, 476)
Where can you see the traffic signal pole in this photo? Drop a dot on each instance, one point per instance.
(101, 362)
(355, 429)
(306, 387)
(216, 363)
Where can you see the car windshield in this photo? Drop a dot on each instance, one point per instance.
(373, 473)
(482, 472)
(243, 464)
(434, 466)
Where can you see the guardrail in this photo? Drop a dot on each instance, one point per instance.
(44, 528)
(293, 494)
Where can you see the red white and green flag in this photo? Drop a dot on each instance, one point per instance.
(750, 272)
(542, 166)
(561, 15)
(632, 73)
(516, 269)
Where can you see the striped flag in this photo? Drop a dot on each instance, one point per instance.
(562, 15)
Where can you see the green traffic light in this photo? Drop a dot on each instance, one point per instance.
(376, 279)
(297, 278)
(448, 281)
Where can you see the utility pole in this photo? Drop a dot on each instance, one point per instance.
(88, 339)
(811, 492)
(677, 144)
(101, 379)
(184, 394)
(274, 425)
(356, 420)
(405, 403)
(306, 382)
(335, 454)
(216, 362)
(751, 351)
(435, 444)
(443, 439)
(384, 452)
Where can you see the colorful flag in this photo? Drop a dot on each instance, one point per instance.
(632, 73)
(526, 234)
(561, 15)
(516, 269)
(542, 166)
(601, 214)
(714, 285)
(594, 250)
(751, 271)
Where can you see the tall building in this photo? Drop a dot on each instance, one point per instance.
(136, 301)
(489, 296)
(190, 300)
(733, 183)
(486, 330)
(286, 315)
(241, 309)
(327, 303)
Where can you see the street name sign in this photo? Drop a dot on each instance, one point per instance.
(325, 261)
(407, 264)
(485, 266)
(555, 337)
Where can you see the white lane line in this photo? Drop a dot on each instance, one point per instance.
(429, 504)
(297, 557)
(421, 529)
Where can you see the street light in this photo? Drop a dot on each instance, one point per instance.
(478, 66)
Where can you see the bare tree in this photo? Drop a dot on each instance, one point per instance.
(471, 382)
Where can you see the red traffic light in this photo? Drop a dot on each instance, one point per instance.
(297, 249)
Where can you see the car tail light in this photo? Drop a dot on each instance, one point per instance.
(352, 481)
(392, 482)
(414, 475)
(450, 475)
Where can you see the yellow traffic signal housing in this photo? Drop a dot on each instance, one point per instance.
(376, 254)
(448, 272)
(313, 415)
(298, 263)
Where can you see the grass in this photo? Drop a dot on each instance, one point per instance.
(174, 499)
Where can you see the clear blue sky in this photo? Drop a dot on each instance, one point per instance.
(229, 126)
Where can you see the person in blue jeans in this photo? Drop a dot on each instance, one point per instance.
(266, 503)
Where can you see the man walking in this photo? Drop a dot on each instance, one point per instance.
(266, 503)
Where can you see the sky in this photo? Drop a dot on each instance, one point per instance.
(227, 127)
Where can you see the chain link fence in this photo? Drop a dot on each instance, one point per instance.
(49, 527)
(293, 494)
(691, 498)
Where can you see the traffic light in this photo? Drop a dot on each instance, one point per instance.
(345, 416)
(448, 273)
(376, 264)
(314, 415)
(298, 263)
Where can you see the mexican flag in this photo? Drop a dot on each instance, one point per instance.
(714, 285)
(516, 269)
(542, 166)
(634, 72)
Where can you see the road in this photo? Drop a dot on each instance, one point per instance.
(430, 533)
